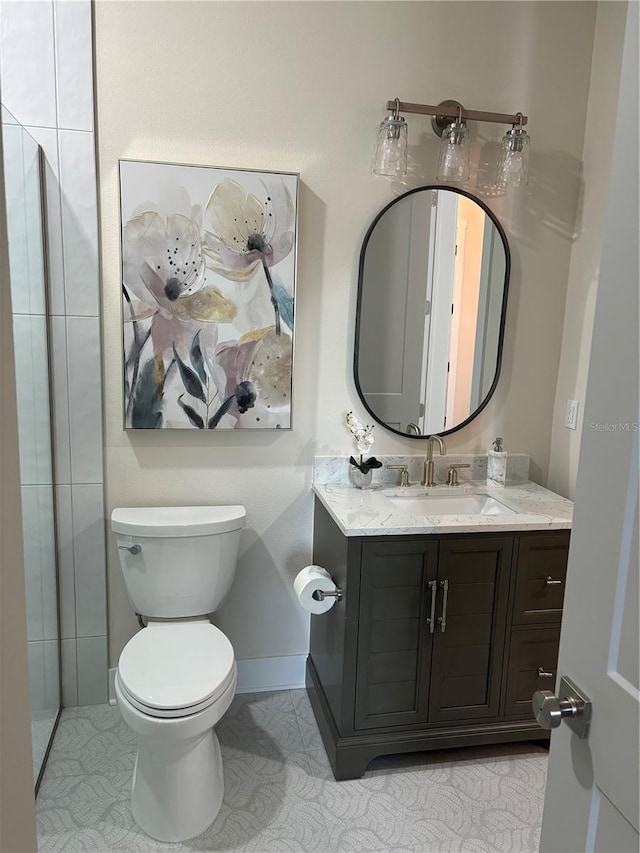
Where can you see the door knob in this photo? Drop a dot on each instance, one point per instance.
(571, 705)
(550, 711)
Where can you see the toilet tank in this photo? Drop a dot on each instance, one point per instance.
(177, 561)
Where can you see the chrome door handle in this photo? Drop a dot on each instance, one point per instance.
(132, 549)
(549, 581)
(571, 705)
(442, 620)
(431, 620)
(542, 673)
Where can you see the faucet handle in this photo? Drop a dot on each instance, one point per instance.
(452, 475)
(403, 476)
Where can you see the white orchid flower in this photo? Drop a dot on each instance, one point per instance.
(162, 259)
(361, 433)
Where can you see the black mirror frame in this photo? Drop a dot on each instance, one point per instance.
(503, 316)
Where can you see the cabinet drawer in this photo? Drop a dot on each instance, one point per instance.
(540, 578)
(531, 655)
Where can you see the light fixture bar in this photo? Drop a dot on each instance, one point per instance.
(454, 112)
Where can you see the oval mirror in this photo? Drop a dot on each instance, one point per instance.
(432, 299)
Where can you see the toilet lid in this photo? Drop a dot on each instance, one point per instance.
(176, 666)
(177, 521)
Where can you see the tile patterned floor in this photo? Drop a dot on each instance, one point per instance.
(280, 795)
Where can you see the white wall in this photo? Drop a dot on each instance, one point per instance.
(46, 66)
(301, 87)
(585, 254)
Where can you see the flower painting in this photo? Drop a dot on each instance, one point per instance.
(208, 293)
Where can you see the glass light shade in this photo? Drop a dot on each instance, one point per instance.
(453, 160)
(390, 155)
(513, 165)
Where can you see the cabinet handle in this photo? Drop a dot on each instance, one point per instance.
(443, 619)
(542, 673)
(551, 582)
(431, 620)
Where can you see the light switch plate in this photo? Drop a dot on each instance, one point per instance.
(571, 418)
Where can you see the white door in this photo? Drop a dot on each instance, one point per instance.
(394, 312)
(437, 355)
(592, 789)
(456, 314)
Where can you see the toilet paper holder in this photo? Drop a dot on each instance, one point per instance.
(320, 594)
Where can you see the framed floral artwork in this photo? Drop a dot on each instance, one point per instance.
(208, 294)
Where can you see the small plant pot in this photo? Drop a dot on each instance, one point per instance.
(358, 479)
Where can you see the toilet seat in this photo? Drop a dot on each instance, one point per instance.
(174, 669)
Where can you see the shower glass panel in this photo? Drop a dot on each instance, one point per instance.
(23, 197)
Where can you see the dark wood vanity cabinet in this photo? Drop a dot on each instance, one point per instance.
(431, 626)
(439, 641)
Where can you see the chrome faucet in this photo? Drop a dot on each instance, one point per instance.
(413, 429)
(427, 479)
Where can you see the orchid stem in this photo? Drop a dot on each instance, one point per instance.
(273, 298)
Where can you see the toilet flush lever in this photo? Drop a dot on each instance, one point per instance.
(132, 549)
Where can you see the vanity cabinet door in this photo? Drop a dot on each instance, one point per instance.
(468, 646)
(394, 640)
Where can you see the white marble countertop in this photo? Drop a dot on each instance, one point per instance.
(367, 512)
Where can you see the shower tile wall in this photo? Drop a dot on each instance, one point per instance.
(47, 83)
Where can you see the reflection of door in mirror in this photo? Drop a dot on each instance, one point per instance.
(464, 309)
(393, 318)
(435, 358)
(431, 306)
(489, 312)
(461, 312)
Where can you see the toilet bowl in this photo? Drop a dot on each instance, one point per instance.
(177, 677)
(177, 785)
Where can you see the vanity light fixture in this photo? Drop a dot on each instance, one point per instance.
(450, 124)
(453, 160)
(390, 155)
(513, 165)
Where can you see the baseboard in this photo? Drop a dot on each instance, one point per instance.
(256, 675)
(260, 674)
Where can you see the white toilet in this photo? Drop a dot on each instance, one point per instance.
(177, 677)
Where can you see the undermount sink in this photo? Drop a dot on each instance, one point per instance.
(438, 504)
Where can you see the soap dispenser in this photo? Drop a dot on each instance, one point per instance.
(497, 464)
